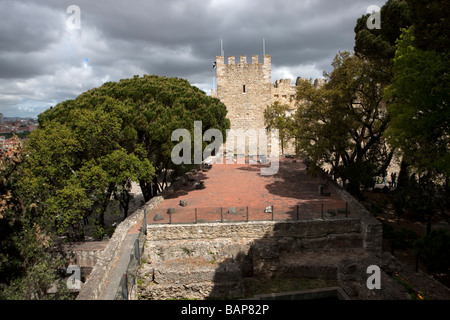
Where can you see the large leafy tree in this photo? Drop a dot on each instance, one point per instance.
(88, 150)
(28, 264)
(418, 105)
(420, 125)
(72, 167)
(415, 65)
(340, 125)
(156, 107)
(419, 95)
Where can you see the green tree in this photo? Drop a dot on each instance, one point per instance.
(341, 124)
(87, 150)
(414, 62)
(156, 106)
(378, 45)
(28, 262)
(420, 117)
(420, 120)
(77, 163)
(277, 116)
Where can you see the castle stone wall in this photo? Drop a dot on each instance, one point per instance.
(245, 88)
(284, 93)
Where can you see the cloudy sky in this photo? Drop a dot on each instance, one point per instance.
(45, 58)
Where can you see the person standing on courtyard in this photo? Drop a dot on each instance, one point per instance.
(85, 218)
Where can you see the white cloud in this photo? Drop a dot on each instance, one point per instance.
(292, 72)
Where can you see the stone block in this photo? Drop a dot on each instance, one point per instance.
(199, 185)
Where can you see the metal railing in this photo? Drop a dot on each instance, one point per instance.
(185, 215)
(127, 286)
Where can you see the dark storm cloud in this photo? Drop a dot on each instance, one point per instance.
(27, 30)
(27, 27)
(43, 63)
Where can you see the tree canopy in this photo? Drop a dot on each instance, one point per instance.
(28, 268)
(341, 124)
(277, 116)
(378, 45)
(412, 49)
(111, 135)
(420, 115)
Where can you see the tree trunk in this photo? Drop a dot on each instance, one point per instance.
(124, 198)
(155, 185)
(146, 188)
(126, 204)
(101, 216)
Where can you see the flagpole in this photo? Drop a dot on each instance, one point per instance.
(264, 47)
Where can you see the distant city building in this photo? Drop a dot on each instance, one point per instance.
(1, 118)
(6, 144)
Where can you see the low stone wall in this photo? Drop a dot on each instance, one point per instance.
(254, 229)
(371, 228)
(85, 254)
(93, 287)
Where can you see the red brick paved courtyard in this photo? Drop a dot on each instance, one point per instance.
(232, 190)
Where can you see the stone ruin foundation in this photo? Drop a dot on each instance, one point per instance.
(213, 260)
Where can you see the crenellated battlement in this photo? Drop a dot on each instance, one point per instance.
(283, 83)
(220, 60)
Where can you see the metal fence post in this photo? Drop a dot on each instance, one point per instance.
(125, 287)
(221, 214)
(136, 250)
(297, 212)
(195, 215)
(247, 213)
(144, 223)
(272, 212)
(322, 211)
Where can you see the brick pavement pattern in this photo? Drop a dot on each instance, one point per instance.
(232, 190)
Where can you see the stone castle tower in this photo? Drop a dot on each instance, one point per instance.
(246, 89)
